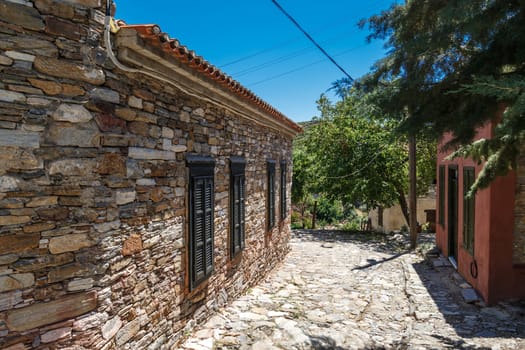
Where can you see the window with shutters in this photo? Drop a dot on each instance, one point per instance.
(468, 210)
(441, 185)
(283, 191)
(201, 207)
(237, 198)
(271, 195)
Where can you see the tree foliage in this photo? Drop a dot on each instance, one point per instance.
(453, 64)
(352, 154)
(304, 178)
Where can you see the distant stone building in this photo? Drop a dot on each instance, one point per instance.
(393, 219)
(136, 192)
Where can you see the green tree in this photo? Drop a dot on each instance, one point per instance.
(304, 180)
(451, 66)
(351, 154)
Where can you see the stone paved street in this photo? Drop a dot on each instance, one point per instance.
(345, 291)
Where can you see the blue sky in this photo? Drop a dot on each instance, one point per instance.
(257, 45)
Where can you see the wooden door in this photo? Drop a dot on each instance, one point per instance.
(453, 212)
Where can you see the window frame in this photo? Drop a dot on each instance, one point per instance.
(441, 194)
(469, 210)
(201, 177)
(283, 198)
(270, 194)
(237, 205)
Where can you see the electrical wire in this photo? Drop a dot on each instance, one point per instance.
(269, 49)
(302, 67)
(258, 53)
(311, 39)
(296, 53)
(358, 170)
(378, 153)
(272, 62)
(342, 20)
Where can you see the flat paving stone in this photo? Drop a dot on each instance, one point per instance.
(343, 291)
(469, 295)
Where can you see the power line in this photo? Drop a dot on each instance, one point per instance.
(297, 53)
(311, 39)
(258, 53)
(285, 73)
(272, 62)
(277, 46)
(358, 170)
(302, 67)
(342, 20)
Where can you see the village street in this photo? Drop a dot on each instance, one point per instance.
(343, 291)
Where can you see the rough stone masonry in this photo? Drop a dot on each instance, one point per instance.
(94, 189)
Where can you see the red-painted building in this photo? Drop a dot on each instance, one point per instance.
(483, 236)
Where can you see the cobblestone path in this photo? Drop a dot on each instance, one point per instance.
(345, 291)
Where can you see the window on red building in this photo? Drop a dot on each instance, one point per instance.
(468, 210)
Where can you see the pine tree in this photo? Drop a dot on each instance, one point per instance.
(452, 64)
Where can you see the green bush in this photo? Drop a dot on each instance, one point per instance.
(352, 221)
(296, 226)
(321, 223)
(352, 225)
(307, 222)
(296, 218)
(328, 211)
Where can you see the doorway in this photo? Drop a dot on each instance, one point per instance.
(453, 214)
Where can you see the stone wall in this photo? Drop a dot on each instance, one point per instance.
(393, 218)
(93, 191)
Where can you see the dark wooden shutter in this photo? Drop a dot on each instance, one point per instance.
(237, 194)
(201, 225)
(271, 194)
(283, 191)
(236, 216)
(468, 210)
(208, 217)
(241, 210)
(441, 194)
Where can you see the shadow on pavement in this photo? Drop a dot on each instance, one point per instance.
(459, 344)
(504, 320)
(373, 262)
(324, 343)
(327, 343)
(376, 241)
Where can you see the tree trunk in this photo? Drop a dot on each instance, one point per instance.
(403, 203)
(314, 216)
(413, 190)
(303, 206)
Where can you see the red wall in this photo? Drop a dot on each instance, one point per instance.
(497, 278)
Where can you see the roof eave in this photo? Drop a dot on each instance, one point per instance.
(146, 51)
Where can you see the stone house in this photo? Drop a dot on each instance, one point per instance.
(483, 236)
(138, 192)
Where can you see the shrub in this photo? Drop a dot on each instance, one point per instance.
(329, 211)
(307, 222)
(352, 225)
(296, 218)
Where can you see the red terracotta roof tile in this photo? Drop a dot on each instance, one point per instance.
(153, 34)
